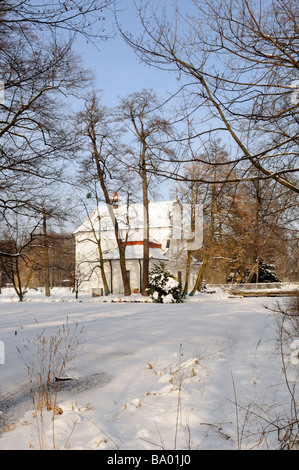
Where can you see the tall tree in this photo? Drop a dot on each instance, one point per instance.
(39, 72)
(269, 217)
(88, 179)
(217, 200)
(138, 112)
(34, 130)
(95, 127)
(14, 245)
(46, 254)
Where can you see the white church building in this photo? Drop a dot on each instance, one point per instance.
(168, 226)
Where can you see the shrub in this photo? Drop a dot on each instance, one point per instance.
(266, 273)
(163, 287)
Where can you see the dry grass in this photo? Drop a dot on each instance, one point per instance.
(46, 359)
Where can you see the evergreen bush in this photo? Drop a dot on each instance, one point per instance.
(266, 273)
(163, 287)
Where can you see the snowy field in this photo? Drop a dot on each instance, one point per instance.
(205, 374)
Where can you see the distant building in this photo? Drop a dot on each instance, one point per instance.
(166, 244)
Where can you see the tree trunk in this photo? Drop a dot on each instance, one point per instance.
(187, 271)
(119, 241)
(145, 270)
(103, 274)
(199, 279)
(46, 255)
(17, 282)
(200, 275)
(121, 247)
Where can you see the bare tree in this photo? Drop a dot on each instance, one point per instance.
(217, 200)
(46, 254)
(14, 246)
(239, 61)
(39, 72)
(102, 151)
(86, 17)
(90, 180)
(138, 112)
(34, 130)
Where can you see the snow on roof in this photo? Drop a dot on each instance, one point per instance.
(159, 216)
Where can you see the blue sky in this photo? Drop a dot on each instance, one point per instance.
(117, 69)
(119, 72)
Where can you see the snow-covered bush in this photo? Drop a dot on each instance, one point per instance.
(163, 287)
(266, 273)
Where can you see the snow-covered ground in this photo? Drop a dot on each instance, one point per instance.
(205, 374)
